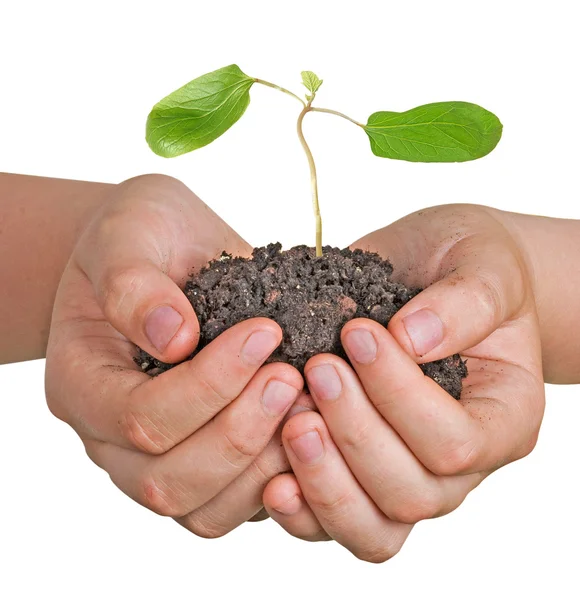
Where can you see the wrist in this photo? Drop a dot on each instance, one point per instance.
(42, 219)
(549, 249)
(518, 228)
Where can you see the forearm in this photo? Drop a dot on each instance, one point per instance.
(40, 221)
(552, 252)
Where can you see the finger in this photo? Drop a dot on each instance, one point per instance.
(130, 277)
(241, 500)
(189, 475)
(474, 282)
(284, 502)
(138, 252)
(303, 402)
(166, 409)
(157, 413)
(481, 289)
(388, 471)
(261, 515)
(416, 243)
(334, 495)
(448, 437)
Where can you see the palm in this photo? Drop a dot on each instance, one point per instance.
(455, 243)
(134, 257)
(85, 349)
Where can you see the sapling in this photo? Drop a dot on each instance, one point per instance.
(310, 295)
(202, 110)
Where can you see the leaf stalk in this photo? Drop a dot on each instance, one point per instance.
(202, 110)
(335, 112)
(281, 89)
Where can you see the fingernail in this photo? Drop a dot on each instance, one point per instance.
(308, 447)
(161, 325)
(290, 507)
(258, 347)
(278, 396)
(361, 345)
(325, 382)
(425, 330)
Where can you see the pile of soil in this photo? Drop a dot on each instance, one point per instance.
(310, 297)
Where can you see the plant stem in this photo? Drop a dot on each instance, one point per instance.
(313, 181)
(335, 112)
(277, 87)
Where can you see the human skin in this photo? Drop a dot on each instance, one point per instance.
(552, 251)
(200, 442)
(389, 447)
(40, 221)
(42, 218)
(416, 246)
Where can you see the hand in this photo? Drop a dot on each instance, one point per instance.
(199, 442)
(390, 447)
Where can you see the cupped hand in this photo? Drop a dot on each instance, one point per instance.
(199, 442)
(390, 447)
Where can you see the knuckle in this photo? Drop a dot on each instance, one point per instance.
(239, 447)
(205, 530)
(205, 396)
(527, 448)
(151, 179)
(111, 221)
(382, 549)
(355, 437)
(159, 499)
(268, 465)
(260, 471)
(318, 534)
(376, 555)
(487, 294)
(118, 288)
(61, 362)
(334, 508)
(460, 458)
(416, 507)
(53, 404)
(92, 454)
(204, 525)
(140, 432)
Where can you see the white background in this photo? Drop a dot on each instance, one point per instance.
(77, 81)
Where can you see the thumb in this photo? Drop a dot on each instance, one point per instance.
(149, 308)
(128, 259)
(480, 286)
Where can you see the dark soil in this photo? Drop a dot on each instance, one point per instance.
(310, 298)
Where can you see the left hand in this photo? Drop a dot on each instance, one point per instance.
(390, 447)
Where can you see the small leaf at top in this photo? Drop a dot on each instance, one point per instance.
(199, 112)
(311, 81)
(438, 132)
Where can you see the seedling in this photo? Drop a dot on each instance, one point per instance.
(205, 108)
(310, 300)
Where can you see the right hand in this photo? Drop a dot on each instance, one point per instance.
(200, 442)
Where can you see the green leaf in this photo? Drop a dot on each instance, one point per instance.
(199, 112)
(438, 132)
(311, 81)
